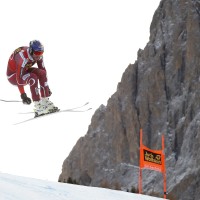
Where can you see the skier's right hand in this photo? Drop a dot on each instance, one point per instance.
(25, 99)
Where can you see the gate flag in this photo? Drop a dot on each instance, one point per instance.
(154, 160)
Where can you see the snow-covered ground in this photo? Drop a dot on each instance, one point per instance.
(21, 188)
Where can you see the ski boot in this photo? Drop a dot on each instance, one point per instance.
(50, 106)
(40, 109)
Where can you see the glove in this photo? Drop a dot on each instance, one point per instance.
(50, 93)
(25, 99)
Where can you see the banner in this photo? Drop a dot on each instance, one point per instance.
(151, 159)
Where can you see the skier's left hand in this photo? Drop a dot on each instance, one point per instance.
(25, 99)
(50, 93)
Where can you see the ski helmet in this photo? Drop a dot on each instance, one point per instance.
(35, 47)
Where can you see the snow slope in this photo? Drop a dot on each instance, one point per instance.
(21, 188)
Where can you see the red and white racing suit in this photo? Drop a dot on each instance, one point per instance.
(20, 72)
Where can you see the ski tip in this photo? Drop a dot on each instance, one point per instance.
(17, 123)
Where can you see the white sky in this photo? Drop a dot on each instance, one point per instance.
(88, 45)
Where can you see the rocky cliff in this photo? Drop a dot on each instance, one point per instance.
(159, 93)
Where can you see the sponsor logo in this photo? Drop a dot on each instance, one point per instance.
(152, 157)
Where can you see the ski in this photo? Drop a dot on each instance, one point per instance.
(75, 109)
(33, 118)
(4, 100)
(66, 110)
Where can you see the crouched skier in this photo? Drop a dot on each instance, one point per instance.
(20, 72)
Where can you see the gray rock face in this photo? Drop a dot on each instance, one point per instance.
(159, 93)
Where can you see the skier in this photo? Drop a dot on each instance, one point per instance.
(20, 72)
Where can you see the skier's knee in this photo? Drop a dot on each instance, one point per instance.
(42, 74)
(33, 80)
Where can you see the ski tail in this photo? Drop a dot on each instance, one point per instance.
(4, 100)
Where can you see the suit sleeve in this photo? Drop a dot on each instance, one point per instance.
(40, 64)
(19, 74)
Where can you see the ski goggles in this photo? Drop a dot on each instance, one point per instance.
(38, 53)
